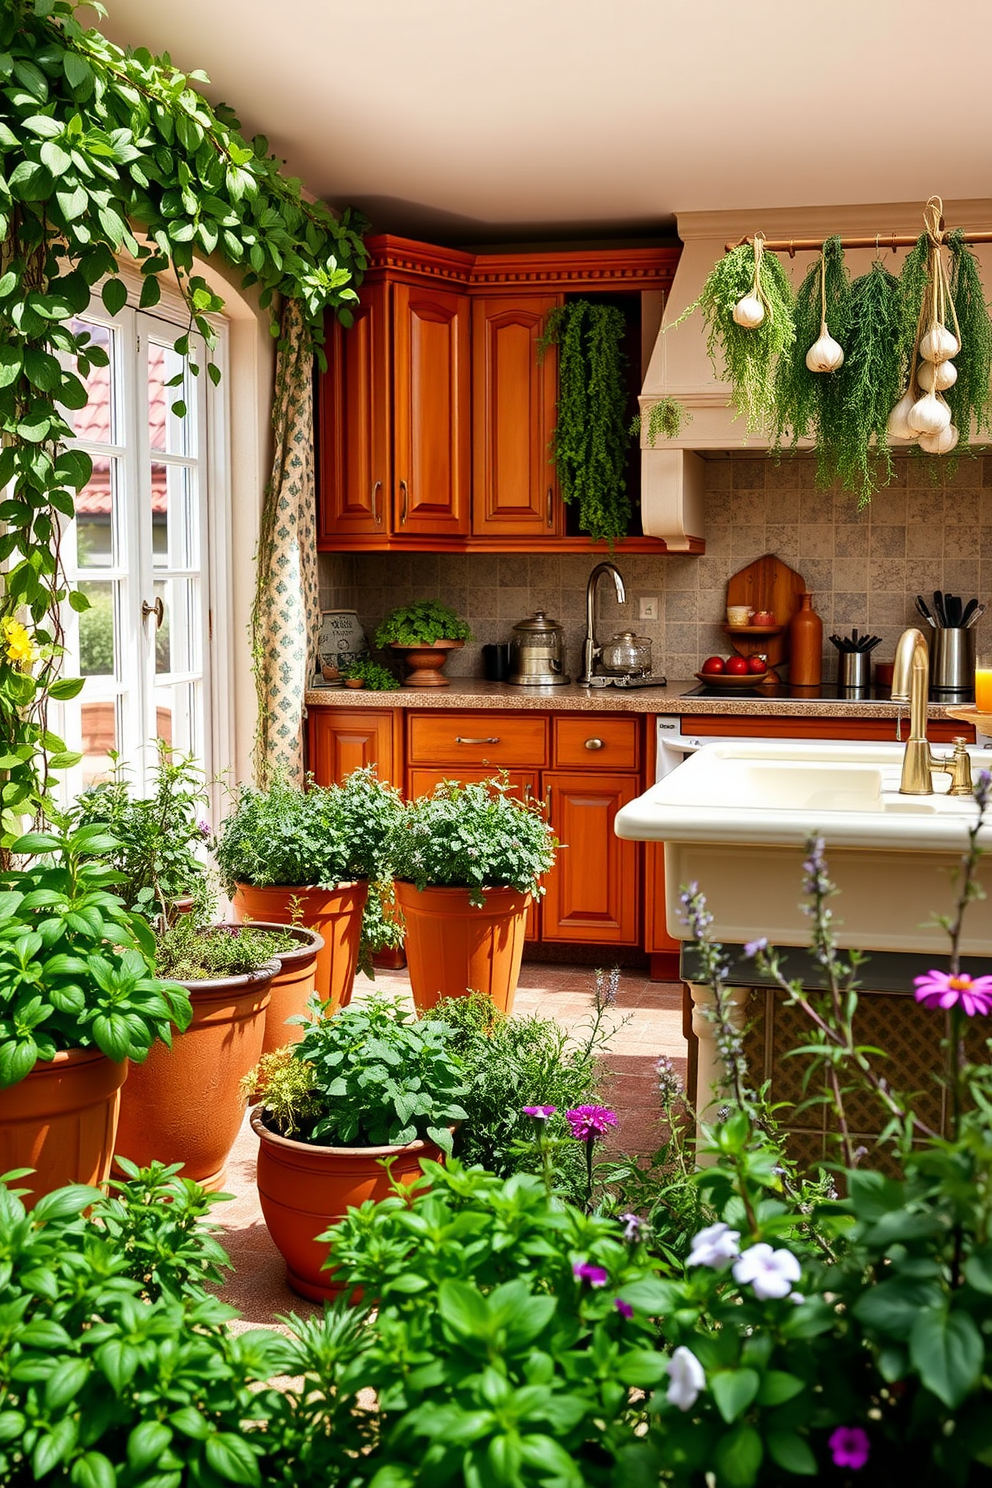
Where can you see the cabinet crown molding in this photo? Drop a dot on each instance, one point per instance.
(602, 268)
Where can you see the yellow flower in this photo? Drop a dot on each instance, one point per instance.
(21, 649)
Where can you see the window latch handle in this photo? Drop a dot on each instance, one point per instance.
(157, 609)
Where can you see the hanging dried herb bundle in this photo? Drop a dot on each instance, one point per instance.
(665, 419)
(809, 405)
(969, 397)
(871, 383)
(591, 437)
(749, 353)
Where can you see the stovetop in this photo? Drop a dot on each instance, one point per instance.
(825, 692)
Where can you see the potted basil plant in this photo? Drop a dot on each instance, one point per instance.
(365, 1087)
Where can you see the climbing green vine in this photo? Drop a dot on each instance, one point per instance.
(110, 158)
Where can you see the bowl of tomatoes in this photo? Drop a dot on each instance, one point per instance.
(733, 671)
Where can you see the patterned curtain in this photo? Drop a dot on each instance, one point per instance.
(285, 616)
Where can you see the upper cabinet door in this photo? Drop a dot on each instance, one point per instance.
(354, 415)
(432, 435)
(514, 487)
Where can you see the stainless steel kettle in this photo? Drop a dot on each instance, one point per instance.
(537, 653)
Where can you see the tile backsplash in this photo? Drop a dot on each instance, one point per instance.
(863, 567)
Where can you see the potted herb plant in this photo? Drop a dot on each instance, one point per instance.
(365, 1086)
(79, 998)
(467, 861)
(185, 1104)
(423, 632)
(364, 672)
(284, 853)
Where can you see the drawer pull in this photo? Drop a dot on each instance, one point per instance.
(405, 503)
(460, 740)
(551, 514)
(594, 744)
(376, 513)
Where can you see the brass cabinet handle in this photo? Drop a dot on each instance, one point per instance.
(594, 744)
(157, 609)
(406, 502)
(551, 515)
(460, 740)
(376, 512)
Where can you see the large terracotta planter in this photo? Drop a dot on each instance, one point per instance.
(61, 1119)
(292, 986)
(425, 662)
(303, 1189)
(184, 1104)
(336, 916)
(453, 948)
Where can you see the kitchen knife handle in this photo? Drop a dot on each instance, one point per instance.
(460, 740)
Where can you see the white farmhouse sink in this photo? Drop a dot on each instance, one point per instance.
(735, 817)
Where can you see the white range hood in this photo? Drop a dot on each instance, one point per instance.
(672, 473)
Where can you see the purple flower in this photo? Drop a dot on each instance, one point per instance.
(589, 1122)
(753, 947)
(539, 1113)
(203, 827)
(849, 1446)
(939, 989)
(596, 1276)
(633, 1226)
(623, 1308)
(983, 786)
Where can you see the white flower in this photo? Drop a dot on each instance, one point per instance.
(770, 1272)
(685, 1378)
(714, 1246)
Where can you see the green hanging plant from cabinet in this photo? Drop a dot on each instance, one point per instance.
(664, 420)
(591, 438)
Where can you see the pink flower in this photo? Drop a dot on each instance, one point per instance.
(623, 1308)
(849, 1446)
(589, 1122)
(539, 1113)
(596, 1276)
(939, 989)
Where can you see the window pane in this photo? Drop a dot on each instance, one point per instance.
(177, 716)
(167, 431)
(174, 532)
(97, 629)
(98, 422)
(96, 516)
(177, 646)
(100, 734)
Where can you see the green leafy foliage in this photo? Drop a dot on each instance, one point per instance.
(421, 624)
(376, 677)
(871, 383)
(592, 433)
(665, 420)
(473, 836)
(969, 398)
(76, 967)
(190, 952)
(375, 1077)
(811, 404)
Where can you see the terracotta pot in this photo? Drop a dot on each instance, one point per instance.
(184, 1104)
(61, 1119)
(292, 985)
(335, 914)
(453, 948)
(303, 1189)
(425, 662)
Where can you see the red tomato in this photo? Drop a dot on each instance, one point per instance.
(737, 666)
(757, 664)
(712, 665)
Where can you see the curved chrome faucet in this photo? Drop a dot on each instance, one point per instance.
(911, 684)
(592, 650)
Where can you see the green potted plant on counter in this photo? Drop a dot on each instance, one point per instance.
(286, 854)
(467, 861)
(367, 1084)
(423, 632)
(79, 998)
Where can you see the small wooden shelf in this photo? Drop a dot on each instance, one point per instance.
(753, 630)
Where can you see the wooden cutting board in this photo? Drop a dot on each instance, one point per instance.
(767, 584)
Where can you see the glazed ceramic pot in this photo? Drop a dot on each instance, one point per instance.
(303, 1189)
(61, 1120)
(454, 947)
(292, 986)
(336, 916)
(185, 1104)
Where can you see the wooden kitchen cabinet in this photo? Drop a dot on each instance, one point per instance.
(354, 403)
(514, 483)
(592, 891)
(340, 740)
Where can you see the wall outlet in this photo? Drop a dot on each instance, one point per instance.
(648, 607)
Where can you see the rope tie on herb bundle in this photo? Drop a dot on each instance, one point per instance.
(933, 217)
(758, 243)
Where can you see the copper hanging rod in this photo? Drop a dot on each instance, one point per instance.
(791, 246)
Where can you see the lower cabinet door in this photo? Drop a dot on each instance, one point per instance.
(340, 740)
(593, 891)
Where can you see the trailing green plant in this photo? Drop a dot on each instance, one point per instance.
(859, 453)
(376, 677)
(748, 356)
(474, 836)
(109, 157)
(665, 419)
(375, 1077)
(76, 967)
(592, 434)
(421, 624)
(191, 952)
(810, 404)
(969, 397)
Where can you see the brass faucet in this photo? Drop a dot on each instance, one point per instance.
(592, 649)
(911, 684)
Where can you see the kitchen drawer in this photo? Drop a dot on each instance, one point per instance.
(492, 738)
(595, 741)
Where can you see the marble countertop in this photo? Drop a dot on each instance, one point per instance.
(469, 692)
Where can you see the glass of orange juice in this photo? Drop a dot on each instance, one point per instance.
(983, 679)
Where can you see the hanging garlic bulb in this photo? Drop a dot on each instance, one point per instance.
(749, 312)
(826, 354)
(939, 344)
(898, 428)
(929, 415)
(935, 377)
(942, 443)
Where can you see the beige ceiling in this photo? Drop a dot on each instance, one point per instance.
(489, 118)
